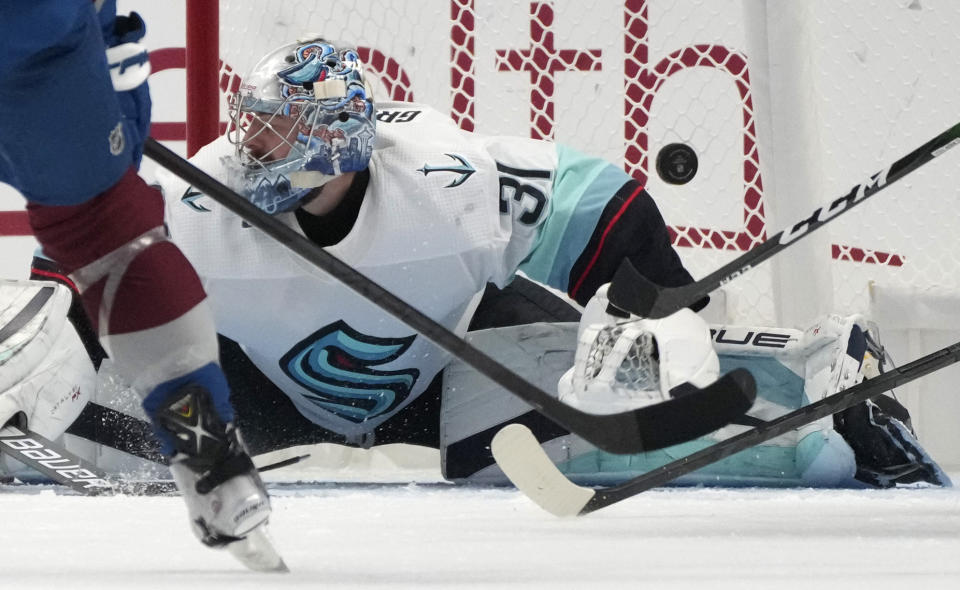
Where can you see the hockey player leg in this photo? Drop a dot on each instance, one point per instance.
(475, 409)
(149, 310)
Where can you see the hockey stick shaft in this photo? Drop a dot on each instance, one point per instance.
(632, 292)
(625, 432)
(790, 421)
(51, 460)
(63, 467)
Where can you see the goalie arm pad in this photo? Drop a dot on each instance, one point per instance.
(630, 227)
(45, 374)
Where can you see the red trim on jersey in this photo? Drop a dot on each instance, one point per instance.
(603, 238)
(60, 277)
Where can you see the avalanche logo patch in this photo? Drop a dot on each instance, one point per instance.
(335, 365)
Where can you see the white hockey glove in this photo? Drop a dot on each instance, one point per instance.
(623, 364)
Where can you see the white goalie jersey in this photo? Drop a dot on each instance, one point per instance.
(444, 213)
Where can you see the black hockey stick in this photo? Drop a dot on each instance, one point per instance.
(57, 463)
(526, 464)
(631, 291)
(64, 468)
(111, 428)
(633, 431)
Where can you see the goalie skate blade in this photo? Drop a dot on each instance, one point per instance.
(257, 552)
(519, 455)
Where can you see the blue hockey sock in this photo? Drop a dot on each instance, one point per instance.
(210, 378)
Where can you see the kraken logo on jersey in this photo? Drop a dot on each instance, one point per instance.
(334, 365)
(189, 199)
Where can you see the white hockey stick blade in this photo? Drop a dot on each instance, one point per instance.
(256, 551)
(519, 455)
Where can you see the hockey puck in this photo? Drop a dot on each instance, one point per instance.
(677, 163)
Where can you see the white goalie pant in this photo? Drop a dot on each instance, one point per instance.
(792, 367)
(45, 372)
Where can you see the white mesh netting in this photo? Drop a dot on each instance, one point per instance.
(625, 78)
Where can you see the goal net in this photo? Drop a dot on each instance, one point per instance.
(781, 106)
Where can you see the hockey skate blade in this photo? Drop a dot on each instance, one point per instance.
(257, 552)
(519, 455)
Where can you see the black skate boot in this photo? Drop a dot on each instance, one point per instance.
(226, 499)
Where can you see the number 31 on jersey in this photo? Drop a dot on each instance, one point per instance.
(519, 190)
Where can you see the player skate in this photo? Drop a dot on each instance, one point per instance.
(227, 502)
(47, 378)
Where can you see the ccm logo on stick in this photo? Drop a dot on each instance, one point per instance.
(821, 215)
(751, 338)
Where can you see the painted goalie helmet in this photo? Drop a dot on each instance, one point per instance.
(303, 116)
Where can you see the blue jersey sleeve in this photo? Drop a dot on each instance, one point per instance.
(582, 190)
(64, 136)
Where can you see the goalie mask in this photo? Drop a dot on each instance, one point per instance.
(303, 116)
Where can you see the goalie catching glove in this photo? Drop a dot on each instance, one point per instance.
(623, 364)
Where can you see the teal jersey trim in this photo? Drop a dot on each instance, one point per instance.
(582, 187)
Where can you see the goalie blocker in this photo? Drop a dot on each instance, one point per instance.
(46, 376)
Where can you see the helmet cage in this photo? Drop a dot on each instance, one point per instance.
(318, 111)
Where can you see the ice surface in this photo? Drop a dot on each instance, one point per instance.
(439, 536)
